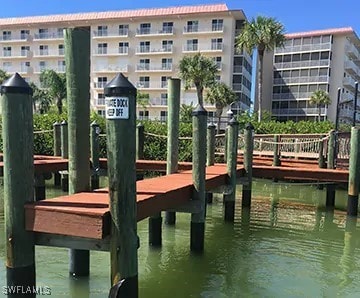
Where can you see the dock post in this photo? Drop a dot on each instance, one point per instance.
(197, 227)
(120, 113)
(226, 135)
(94, 154)
(276, 161)
(57, 149)
(330, 188)
(210, 154)
(140, 141)
(77, 58)
(172, 155)
(354, 173)
(17, 135)
(39, 187)
(231, 163)
(248, 162)
(321, 153)
(64, 154)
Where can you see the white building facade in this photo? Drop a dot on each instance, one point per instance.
(145, 45)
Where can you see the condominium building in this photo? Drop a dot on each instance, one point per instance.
(145, 45)
(323, 59)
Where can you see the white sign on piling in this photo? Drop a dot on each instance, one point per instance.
(117, 108)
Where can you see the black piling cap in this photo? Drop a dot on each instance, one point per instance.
(249, 126)
(119, 86)
(199, 110)
(233, 122)
(16, 84)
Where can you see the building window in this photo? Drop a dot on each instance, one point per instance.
(163, 116)
(123, 47)
(61, 49)
(6, 51)
(61, 66)
(43, 33)
(192, 45)
(167, 45)
(7, 66)
(163, 99)
(102, 48)
(144, 82)
(144, 46)
(144, 64)
(24, 51)
(167, 27)
(101, 82)
(60, 33)
(123, 30)
(145, 28)
(102, 31)
(164, 81)
(6, 35)
(25, 66)
(101, 112)
(217, 61)
(216, 44)
(143, 115)
(166, 63)
(100, 99)
(24, 34)
(44, 50)
(192, 26)
(217, 25)
(42, 65)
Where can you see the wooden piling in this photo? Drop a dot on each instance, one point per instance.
(248, 161)
(197, 228)
(77, 58)
(140, 142)
(231, 162)
(321, 160)
(276, 161)
(330, 188)
(94, 155)
(57, 149)
(18, 142)
(354, 173)
(210, 154)
(120, 100)
(39, 187)
(64, 154)
(172, 155)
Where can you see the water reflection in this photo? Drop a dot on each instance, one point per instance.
(79, 287)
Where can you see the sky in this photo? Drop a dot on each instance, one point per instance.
(296, 16)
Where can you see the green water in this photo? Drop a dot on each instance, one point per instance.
(281, 248)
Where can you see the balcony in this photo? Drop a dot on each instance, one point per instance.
(299, 111)
(191, 48)
(104, 34)
(40, 69)
(159, 101)
(49, 53)
(346, 97)
(149, 32)
(48, 35)
(238, 69)
(352, 51)
(300, 80)
(26, 70)
(302, 64)
(215, 47)
(351, 67)
(22, 54)
(153, 86)
(100, 101)
(99, 85)
(349, 83)
(304, 48)
(145, 50)
(111, 52)
(293, 95)
(238, 87)
(164, 67)
(195, 29)
(111, 69)
(15, 38)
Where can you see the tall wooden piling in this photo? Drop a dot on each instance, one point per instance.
(354, 173)
(64, 154)
(17, 135)
(276, 161)
(231, 162)
(39, 187)
(330, 188)
(57, 149)
(120, 100)
(248, 162)
(140, 142)
(321, 161)
(172, 156)
(210, 153)
(77, 58)
(94, 154)
(197, 228)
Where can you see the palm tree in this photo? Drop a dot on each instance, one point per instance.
(198, 70)
(263, 34)
(320, 98)
(55, 83)
(220, 95)
(3, 76)
(40, 98)
(143, 101)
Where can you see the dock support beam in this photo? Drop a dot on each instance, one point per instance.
(94, 152)
(231, 162)
(330, 188)
(248, 162)
(120, 112)
(210, 154)
(354, 173)
(17, 135)
(276, 161)
(172, 155)
(77, 57)
(65, 155)
(197, 228)
(57, 149)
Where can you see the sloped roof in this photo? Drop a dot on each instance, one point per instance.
(334, 31)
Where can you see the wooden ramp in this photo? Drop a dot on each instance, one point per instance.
(87, 214)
